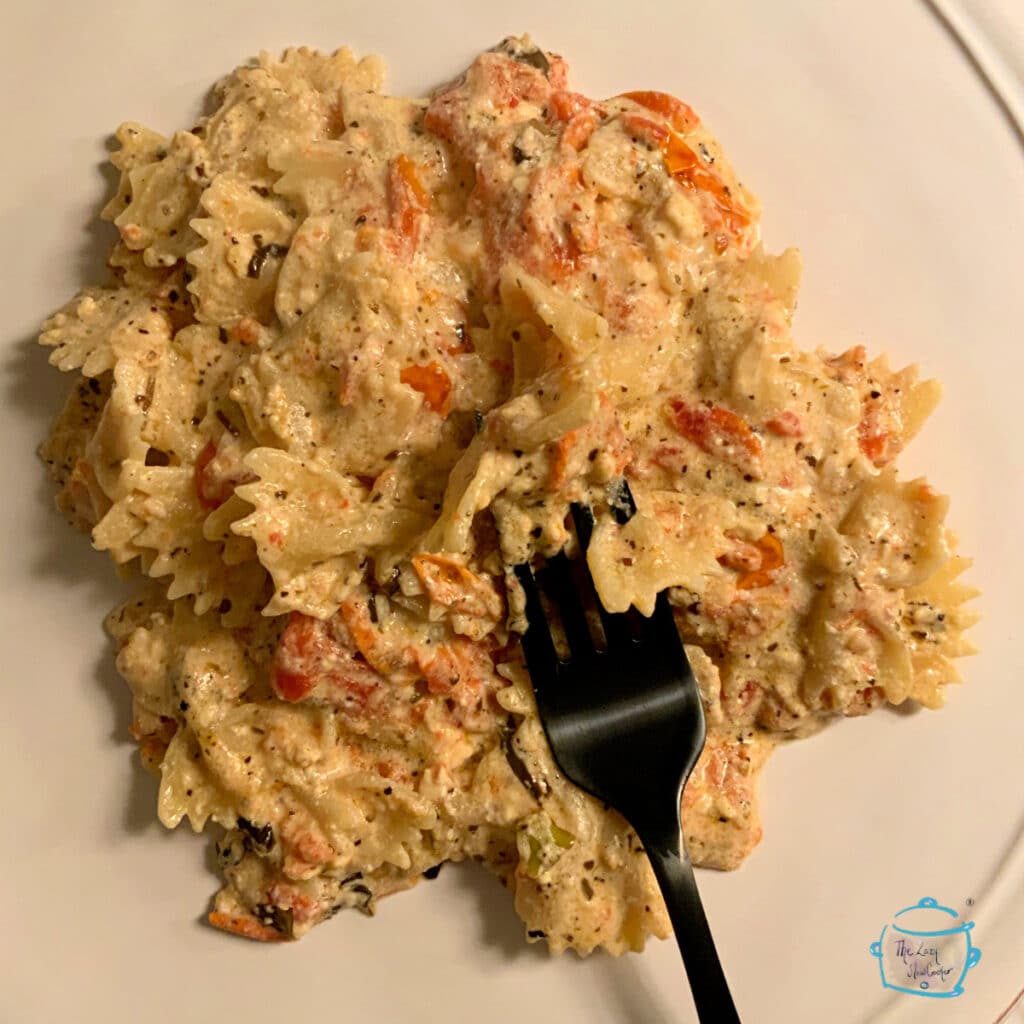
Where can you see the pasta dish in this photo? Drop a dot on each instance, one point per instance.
(358, 356)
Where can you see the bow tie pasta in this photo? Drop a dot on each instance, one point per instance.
(358, 355)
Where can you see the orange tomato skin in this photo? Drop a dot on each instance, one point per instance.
(244, 926)
(409, 202)
(785, 424)
(433, 383)
(298, 647)
(678, 114)
(689, 171)
(714, 426)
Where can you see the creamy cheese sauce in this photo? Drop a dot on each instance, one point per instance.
(359, 356)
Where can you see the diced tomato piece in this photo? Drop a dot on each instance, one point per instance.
(878, 433)
(446, 114)
(292, 686)
(312, 652)
(463, 674)
(213, 489)
(558, 71)
(646, 129)
(715, 430)
(747, 695)
(210, 491)
(689, 171)
(579, 128)
(873, 443)
(756, 561)
(550, 244)
(864, 701)
(509, 80)
(433, 383)
(452, 584)
(153, 745)
(742, 556)
(502, 82)
(561, 450)
(669, 457)
(368, 640)
(578, 114)
(684, 165)
(409, 201)
(772, 558)
(290, 897)
(754, 580)
(785, 424)
(406, 171)
(722, 772)
(298, 650)
(564, 105)
(678, 114)
(442, 671)
(247, 927)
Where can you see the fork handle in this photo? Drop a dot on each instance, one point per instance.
(674, 872)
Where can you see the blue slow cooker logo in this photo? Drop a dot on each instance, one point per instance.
(926, 950)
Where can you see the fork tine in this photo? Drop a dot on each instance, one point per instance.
(616, 628)
(663, 621)
(583, 520)
(660, 631)
(565, 592)
(538, 647)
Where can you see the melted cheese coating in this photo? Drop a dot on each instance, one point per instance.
(360, 355)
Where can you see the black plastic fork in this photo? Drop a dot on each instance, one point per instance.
(625, 723)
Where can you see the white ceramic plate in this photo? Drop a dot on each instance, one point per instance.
(875, 149)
